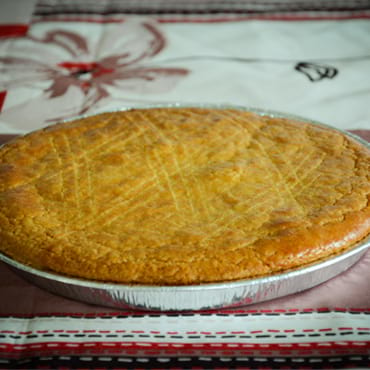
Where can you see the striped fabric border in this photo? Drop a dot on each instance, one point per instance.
(202, 10)
(318, 338)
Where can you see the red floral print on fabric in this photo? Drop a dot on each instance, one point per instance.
(2, 99)
(78, 73)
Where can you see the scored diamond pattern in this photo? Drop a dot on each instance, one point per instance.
(176, 178)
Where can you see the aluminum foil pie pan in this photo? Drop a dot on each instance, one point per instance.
(191, 297)
(202, 296)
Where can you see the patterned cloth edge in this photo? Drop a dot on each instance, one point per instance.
(318, 339)
(205, 10)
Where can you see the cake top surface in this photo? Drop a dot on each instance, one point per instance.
(181, 195)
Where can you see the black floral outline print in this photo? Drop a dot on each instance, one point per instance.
(316, 72)
(314, 69)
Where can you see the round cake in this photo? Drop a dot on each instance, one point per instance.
(178, 196)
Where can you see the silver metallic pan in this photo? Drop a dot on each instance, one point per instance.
(203, 296)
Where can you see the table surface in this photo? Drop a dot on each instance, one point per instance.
(62, 59)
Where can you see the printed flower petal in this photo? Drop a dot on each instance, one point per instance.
(27, 47)
(16, 71)
(75, 76)
(72, 42)
(60, 85)
(145, 80)
(40, 111)
(128, 43)
(19, 63)
(95, 95)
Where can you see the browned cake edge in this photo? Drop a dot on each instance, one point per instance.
(295, 250)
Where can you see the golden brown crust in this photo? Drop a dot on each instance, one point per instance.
(181, 196)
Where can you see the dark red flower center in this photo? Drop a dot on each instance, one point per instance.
(81, 69)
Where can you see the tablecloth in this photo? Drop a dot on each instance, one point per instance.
(61, 58)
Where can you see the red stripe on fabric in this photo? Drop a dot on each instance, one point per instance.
(79, 19)
(13, 30)
(215, 346)
(267, 18)
(287, 18)
(2, 99)
(189, 353)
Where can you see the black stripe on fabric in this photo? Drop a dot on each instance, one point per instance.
(204, 10)
(200, 3)
(107, 362)
(164, 314)
(194, 336)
